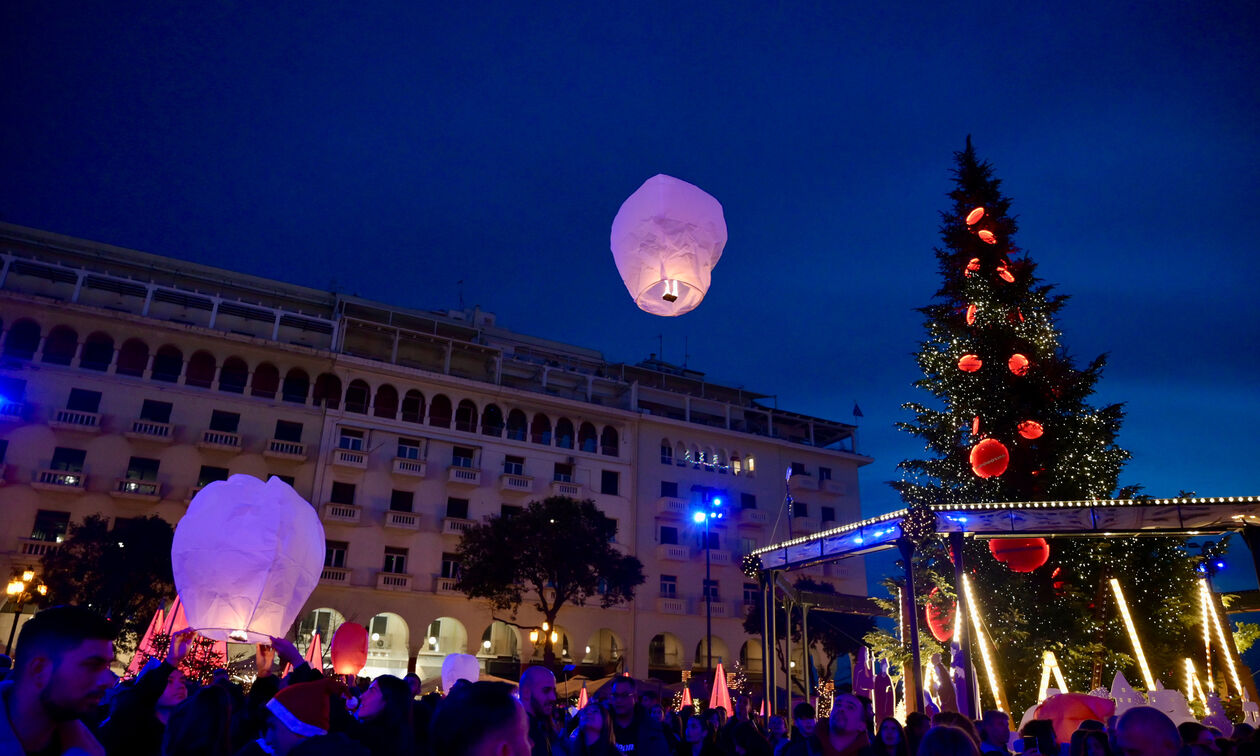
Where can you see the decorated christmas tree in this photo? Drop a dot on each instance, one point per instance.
(1011, 421)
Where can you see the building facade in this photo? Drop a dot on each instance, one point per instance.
(128, 381)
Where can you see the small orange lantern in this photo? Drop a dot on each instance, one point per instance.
(971, 315)
(1005, 274)
(973, 265)
(989, 458)
(1018, 364)
(1030, 429)
(970, 363)
(974, 216)
(986, 236)
(349, 648)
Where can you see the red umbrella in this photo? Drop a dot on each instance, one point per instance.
(721, 695)
(582, 699)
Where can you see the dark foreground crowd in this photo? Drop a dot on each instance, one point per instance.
(61, 698)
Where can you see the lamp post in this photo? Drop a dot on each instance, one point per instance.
(712, 511)
(20, 590)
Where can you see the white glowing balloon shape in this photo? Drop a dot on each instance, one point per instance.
(666, 238)
(246, 557)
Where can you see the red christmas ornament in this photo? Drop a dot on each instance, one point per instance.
(1018, 364)
(970, 363)
(989, 458)
(1020, 554)
(349, 648)
(1030, 429)
(973, 266)
(975, 426)
(1005, 274)
(971, 314)
(974, 216)
(987, 236)
(940, 621)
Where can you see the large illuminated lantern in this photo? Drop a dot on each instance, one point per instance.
(666, 238)
(349, 648)
(246, 556)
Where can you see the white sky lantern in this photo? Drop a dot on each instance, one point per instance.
(666, 239)
(246, 557)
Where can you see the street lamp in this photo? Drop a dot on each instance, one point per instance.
(20, 590)
(713, 511)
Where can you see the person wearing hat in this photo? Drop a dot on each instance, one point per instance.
(296, 713)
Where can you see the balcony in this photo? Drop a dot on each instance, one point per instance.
(335, 576)
(673, 552)
(446, 586)
(720, 609)
(83, 422)
(290, 451)
(832, 487)
(566, 488)
(751, 517)
(59, 480)
(11, 410)
(147, 430)
(716, 556)
(137, 490)
(464, 476)
(393, 581)
(671, 506)
(455, 525)
(353, 458)
(192, 492)
(513, 483)
(402, 520)
(801, 482)
(671, 605)
(347, 514)
(804, 526)
(35, 548)
(416, 468)
(214, 440)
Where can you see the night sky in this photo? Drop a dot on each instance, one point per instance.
(393, 150)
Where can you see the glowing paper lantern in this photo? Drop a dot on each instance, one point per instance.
(1018, 364)
(246, 556)
(1030, 429)
(940, 621)
(970, 363)
(1020, 554)
(971, 314)
(666, 239)
(989, 458)
(987, 236)
(1067, 710)
(973, 266)
(456, 667)
(974, 216)
(349, 648)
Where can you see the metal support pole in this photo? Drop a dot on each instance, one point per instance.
(809, 668)
(914, 698)
(708, 597)
(766, 645)
(967, 706)
(770, 650)
(787, 665)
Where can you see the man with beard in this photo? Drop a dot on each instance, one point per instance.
(62, 672)
(538, 696)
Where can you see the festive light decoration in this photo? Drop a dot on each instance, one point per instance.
(1220, 635)
(1067, 710)
(750, 565)
(1018, 364)
(989, 458)
(986, 236)
(971, 315)
(1005, 274)
(1020, 554)
(975, 425)
(918, 524)
(1133, 636)
(985, 654)
(666, 239)
(246, 556)
(974, 216)
(970, 363)
(973, 266)
(940, 621)
(1030, 429)
(349, 648)
(1194, 688)
(1050, 665)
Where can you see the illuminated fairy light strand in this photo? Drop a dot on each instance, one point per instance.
(1133, 636)
(1207, 636)
(1050, 665)
(1194, 688)
(1220, 634)
(985, 654)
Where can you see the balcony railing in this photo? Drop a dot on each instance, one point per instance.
(220, 441)
(516, 483)
(144, 490)
(355, 458)
(832, 486)
(393, 581)
(147, 430)
(719, 608)
(406, 466)
(403, 520)
(11, 410)
(671, 605)
(446, 585)
(290, 450)
(466, 476)
(716, 556)
(455, 525)
(566, 488)
(37, 548)
(673, 552)
(59, 480)
(335, 575)
(751, 517)
(86, 422)
(800, 482)
(671, 506)
(349, 514)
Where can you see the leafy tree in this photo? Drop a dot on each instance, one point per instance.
(122, 572)
(553, 552)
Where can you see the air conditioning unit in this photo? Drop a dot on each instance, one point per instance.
(380, 643)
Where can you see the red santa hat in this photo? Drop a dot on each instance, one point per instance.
(303, 708)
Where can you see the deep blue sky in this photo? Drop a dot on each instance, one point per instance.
(394, 149)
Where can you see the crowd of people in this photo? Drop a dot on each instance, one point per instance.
(61, 698)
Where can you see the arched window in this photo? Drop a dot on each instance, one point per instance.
(492, 421)
(680, 454)
(608, 442)
(667, 452)
(168, 363)
(233, 375)
(297, 384)
(720, 462)
(564, 433)
(737, 465)
(413, 407)
(133, 357)
(540, 429)
(707, 459)
(440, 412)
(98, 352)
(516, 425)
(60, 345)
(466, 416)
(386, 404)
(327, 391)
(696, 457)
(750, 465)
(266, 381)
(587, 441)
(23, 340)
(357, 396)
(201, 367)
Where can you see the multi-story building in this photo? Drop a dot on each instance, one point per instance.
(128, 381)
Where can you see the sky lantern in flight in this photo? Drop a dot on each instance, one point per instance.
(246, 556)
(666, 239)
